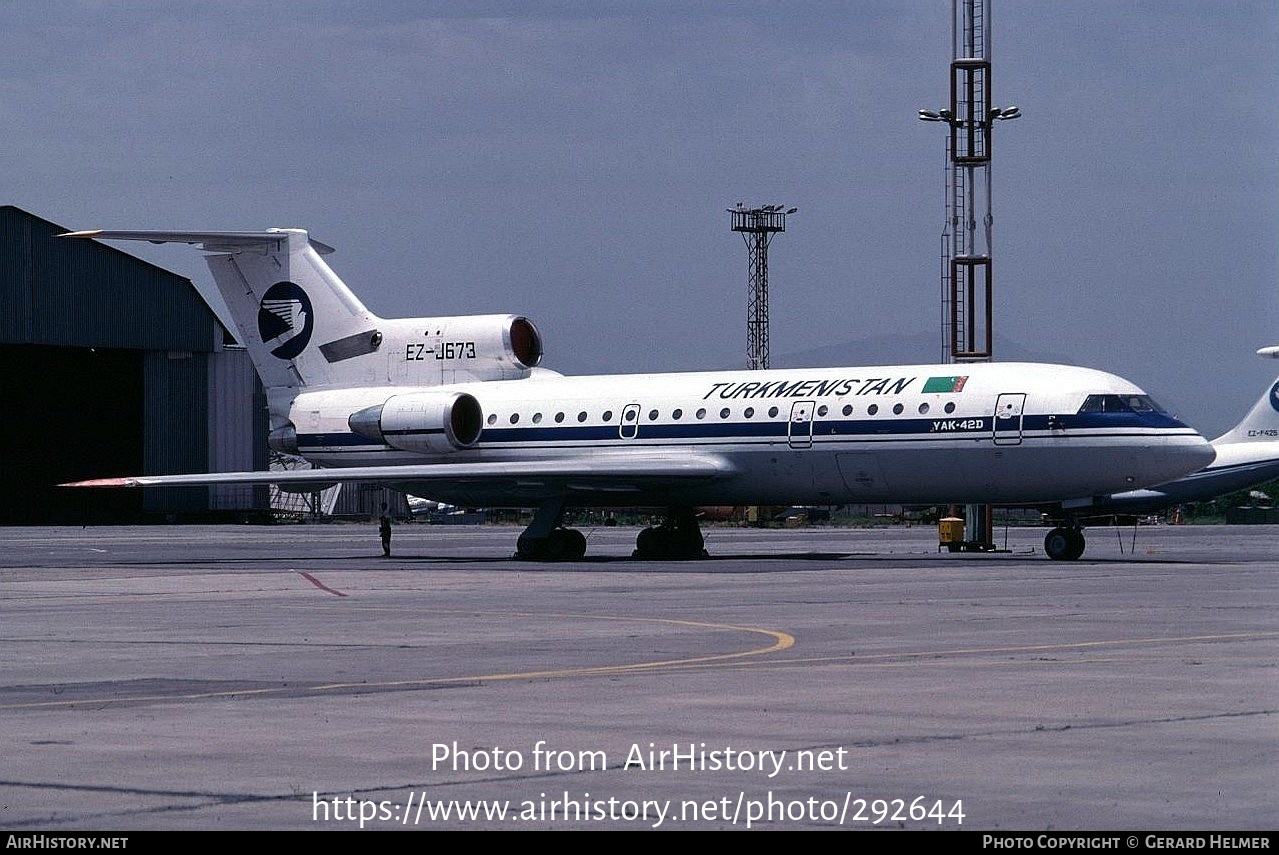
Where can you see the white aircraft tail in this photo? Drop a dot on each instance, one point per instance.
(1262, 422)
(304, 328)
(290, 310)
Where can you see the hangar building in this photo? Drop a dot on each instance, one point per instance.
(112, 366)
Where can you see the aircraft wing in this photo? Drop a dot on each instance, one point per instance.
(524, 479)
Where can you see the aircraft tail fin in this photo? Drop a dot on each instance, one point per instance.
(1261, 423)
(298, 320)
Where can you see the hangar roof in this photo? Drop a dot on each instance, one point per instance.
(88, 294)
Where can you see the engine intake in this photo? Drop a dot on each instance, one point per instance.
(424, 422)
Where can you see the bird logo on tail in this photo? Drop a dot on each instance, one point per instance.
(286, 319)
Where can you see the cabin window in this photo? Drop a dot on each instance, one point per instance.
(608, 415)
(822, 410)
(537, 418)
(581, 417)
(677, 414)
(772, 412)
(492, 418)
(559, 417)
(515, 417)
(950, 407)
(652, 415)
(701, 414)
(749, 412)
(723, 414)
(872, 409)
(897, 409)
(923, 408)
(848, 409)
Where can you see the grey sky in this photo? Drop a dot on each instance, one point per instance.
(573, 161)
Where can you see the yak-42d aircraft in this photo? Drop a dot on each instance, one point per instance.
(457, 409)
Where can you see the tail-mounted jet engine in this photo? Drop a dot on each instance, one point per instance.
(427, 351)
(423, 422)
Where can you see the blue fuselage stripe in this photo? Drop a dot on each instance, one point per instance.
(1112, 424)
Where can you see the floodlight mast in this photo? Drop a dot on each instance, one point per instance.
(967, 305)
(967, 276)
(758, 225)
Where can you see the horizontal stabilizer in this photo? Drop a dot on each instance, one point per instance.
(208, 241)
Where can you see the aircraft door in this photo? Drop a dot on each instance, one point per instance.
(1008, 418)
(630, 421)
(800, 431)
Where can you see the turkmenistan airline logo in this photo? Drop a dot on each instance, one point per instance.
(285, 319)
(1274, 397)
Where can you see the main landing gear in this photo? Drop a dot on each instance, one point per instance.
(678, 536)
(560, 544)
(1064, 543)
(546, 539)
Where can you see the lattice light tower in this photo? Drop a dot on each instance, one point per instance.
(967, 273)
(758, 225)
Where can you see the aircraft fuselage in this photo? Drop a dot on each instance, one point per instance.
(1002, 432)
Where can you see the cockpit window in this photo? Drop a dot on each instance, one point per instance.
(1120, 404)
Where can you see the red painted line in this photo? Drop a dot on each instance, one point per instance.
(317, 583)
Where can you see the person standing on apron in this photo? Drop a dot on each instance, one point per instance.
(384, 529)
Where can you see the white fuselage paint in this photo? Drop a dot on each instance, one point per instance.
(822, 436)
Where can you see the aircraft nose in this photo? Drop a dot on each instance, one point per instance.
(1173, 458)
(1194, 455)
(1205, 454)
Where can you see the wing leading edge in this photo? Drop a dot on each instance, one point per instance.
(601, 472)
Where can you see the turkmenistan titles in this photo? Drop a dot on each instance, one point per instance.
(811, 388)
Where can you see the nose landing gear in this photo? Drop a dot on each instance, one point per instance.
(1064, 544)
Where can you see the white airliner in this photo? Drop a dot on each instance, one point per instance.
(456, 409)
(1247, 455)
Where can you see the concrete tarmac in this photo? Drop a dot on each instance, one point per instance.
(290, 677)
